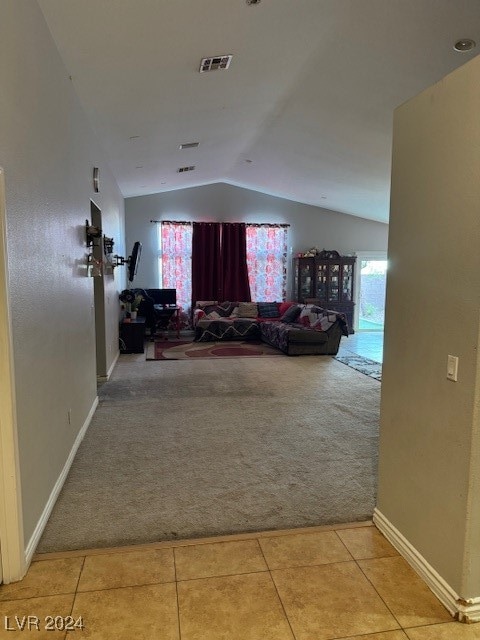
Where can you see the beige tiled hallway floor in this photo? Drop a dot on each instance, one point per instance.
(311, 584)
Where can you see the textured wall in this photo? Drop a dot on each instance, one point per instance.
(429, 485)
(310, 226)
(48, 150)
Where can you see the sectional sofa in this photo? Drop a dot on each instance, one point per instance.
(295, 329)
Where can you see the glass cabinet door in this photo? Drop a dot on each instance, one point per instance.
(321, 284)
(334, 278)
(347, 282)
(305, 280)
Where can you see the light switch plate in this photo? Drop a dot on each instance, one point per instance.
(452, 368)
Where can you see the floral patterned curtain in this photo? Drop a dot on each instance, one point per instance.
(176, 260)
(267, 261)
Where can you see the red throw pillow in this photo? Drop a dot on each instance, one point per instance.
(283, 306)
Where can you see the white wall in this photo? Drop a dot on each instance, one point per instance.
(48, 151)
(429, 472)
(310, 226)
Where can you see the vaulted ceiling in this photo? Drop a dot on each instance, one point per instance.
(304, 112)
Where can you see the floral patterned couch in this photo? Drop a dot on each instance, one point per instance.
(293, 328)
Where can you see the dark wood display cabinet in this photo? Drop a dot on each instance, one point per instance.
(326, 279)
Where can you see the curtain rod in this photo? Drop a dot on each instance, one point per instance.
(249, 224)
(170, 221)
(266, 224)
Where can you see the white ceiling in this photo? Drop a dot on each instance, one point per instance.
(308, 98)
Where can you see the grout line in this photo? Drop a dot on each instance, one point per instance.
(276, 591)
(225, 575)
(377, 592)
(76, 594)
(126, 586)
(80, 574)
(42, 595)
(343, 543)
(176, 593)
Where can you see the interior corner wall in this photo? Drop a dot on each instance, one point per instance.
(429, 467)
(48, 151)
(220, 202)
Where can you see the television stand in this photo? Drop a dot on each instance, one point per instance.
(163, 315)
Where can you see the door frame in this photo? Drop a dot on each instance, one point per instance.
(12, 552)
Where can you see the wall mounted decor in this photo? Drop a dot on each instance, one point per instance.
(96, 179)
(92, 233)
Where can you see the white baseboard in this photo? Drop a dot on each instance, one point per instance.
(36, 535)
(461, 609)
(110, 371)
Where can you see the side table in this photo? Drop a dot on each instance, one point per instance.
(132, 335)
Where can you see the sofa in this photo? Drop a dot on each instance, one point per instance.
(295, 329)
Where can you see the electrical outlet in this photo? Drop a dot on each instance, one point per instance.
(452, 368)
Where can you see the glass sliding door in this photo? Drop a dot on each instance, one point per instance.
(372, 274)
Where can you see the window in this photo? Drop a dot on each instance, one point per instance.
(267, 261)
(175, 260)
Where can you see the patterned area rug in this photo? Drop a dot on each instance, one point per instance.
(364, 365)
(183, 350)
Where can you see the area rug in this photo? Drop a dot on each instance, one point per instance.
(183, 350)
(209, 447)
(364, 365)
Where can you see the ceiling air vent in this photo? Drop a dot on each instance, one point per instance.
(184, 169)
(215, 63)
(189, 145)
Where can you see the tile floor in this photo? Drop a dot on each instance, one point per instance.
(311, 584)
(368, 344)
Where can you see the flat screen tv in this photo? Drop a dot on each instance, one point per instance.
(133, 261)
(166, 297)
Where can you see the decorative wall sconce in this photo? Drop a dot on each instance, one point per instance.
(92, 233)
(108, 244)
(95, 266)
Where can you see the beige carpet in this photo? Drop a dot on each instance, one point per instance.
(182, 449)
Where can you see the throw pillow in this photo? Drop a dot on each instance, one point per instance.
(225, 308)
(204, 303)
(268, 309)
(234, 313)
(213, 315)
(283, 307)
(247, 310)
(310, 314)
(291, 314)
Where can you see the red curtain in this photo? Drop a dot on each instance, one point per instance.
(236, 286)
(219, 262)
(206, 262)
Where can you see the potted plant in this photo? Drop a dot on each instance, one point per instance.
(131, 300)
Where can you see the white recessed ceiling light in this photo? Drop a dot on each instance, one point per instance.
(465, 44)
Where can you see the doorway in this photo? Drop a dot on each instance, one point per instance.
(99, 294)
(370, 287)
